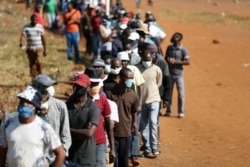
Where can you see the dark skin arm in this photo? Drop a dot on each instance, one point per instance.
(44, 45)
(173, 61)
(110, 132)
(139, 90)
(1, 116)
(81, 134)
(60, 157)
(22, 39)
(134, 123)
(3, 153)
(105, 39)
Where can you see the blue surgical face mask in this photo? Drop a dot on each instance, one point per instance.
(146, 64)
(24, 111)
(107, 68)
(128, 83)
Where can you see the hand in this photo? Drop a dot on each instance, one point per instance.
(69, 18)
(165, 103)
(89, 126)
(44, 53)
(134, 128)
(138, 109)
(112, 156)
(1, 115)
(171, 60)
(22, 47)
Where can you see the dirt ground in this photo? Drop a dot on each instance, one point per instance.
(214, 132)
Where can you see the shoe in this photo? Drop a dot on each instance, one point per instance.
(135, 161)
(148, 155)
(156, 152)
(168, 114)
(142, 148)
(181, 115)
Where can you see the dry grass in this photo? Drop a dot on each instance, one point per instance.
(14, 70)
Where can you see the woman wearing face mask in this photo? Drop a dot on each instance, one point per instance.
(150, 104)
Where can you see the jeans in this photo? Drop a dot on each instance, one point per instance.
(72, 40)
(135, 143)
(51, 19)
(179, 81)
(73, 164)
(28, 3)
(122, 151)
(138, 3)
(149, 125)
(96, 44)
(101, 155)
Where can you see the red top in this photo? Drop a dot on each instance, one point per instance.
(105, 110)
(39, 18)
(95, 22)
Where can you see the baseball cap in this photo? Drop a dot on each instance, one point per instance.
(43, 80)
(32, 95)
(82, 80)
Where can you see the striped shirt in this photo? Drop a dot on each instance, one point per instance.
(33, 35)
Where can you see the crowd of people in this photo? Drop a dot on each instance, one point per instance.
(115, 103)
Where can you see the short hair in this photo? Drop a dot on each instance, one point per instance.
(126, 42)
(32, 16)
(176, 37)
(123, 71)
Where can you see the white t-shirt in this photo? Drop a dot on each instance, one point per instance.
(27, 143)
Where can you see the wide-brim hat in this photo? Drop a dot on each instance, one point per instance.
(144, 28)
(93, 74)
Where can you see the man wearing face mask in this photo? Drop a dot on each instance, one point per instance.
(99, 65)
(113, 76)
(134, 57)
(138, 81)
(104, 121)
(127, 102)
(150, 104)
(24, 138)
(56, 113)
(106, 35)
(84, 117)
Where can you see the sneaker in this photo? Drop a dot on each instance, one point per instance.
(135, 161)
(181, 115)
(156, 152)
(148, 155)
